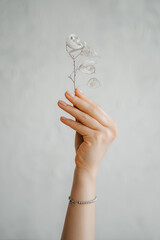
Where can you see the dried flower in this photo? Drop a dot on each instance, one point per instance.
(74, 42)
(76, 48)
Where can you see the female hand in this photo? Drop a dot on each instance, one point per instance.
(95, 130)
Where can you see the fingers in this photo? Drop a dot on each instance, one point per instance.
(89, 107)
(84, 118)
(77, 126)
(81, 95)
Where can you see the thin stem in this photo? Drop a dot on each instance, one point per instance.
(74, 66)
(79, 53)
(71, 78)
(73, 71)
(69, 52)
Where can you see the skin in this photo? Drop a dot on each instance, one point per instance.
(95, 132)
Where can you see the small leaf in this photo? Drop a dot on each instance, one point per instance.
(87, 66)
(74, 42)
(93, 83)
(87, 69)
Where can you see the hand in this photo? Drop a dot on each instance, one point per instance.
(95, 130)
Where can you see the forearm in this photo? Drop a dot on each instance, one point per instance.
(95, 131)
(80, 219)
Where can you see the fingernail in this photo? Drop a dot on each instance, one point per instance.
(69, 93)
(63, 118)
(62, 103)
(79, 90)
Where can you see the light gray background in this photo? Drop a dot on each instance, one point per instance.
(37, 150)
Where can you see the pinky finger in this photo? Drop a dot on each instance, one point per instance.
(77, 126)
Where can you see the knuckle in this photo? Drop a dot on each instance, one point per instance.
(98, 136)
(106, 134)
(115, 128)
(84, 116)
(94, 108)
(96, 105)
(73, 100)
(69, 109)
(76, 100)
(116, 133)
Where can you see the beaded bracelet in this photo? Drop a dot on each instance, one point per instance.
(81, 202)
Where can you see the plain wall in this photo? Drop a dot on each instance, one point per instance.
(37, 150)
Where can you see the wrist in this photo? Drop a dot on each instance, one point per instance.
(85, 175)
(84, 185)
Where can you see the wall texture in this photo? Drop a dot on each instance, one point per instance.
(37, 150)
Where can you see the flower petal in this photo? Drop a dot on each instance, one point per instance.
(87, 66)
(74, 42)
(87, 51)
(89, 69)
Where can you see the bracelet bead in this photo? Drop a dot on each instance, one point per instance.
(82, 202)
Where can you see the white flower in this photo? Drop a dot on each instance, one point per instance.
(74, 42)
(87, 66)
